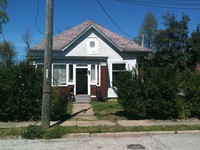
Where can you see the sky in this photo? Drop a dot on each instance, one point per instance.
(30, 15)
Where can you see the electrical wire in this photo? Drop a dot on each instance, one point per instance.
(113, 20)
(194, 5)
(36, 17)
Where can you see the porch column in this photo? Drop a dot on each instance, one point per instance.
(103, 80)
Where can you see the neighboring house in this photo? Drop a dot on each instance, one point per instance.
(87, 58)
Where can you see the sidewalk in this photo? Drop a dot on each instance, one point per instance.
(83, 116)
(124, 123)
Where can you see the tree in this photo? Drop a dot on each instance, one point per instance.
(3, 15)
(171, 44)
(7, 54)
(148, 30)
(27, 38)
(194, 42)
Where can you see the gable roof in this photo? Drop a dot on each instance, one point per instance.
(64, 39)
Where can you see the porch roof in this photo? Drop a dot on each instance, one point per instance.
(64, 39)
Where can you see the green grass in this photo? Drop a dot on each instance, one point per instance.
(110, 110)
(59, 131)
(10, 132)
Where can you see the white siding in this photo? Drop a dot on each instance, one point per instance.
(104, 50)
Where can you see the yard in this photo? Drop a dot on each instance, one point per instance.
(109, 110)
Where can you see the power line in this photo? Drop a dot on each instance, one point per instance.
(36, 17)
(113, 20)
(165, 4)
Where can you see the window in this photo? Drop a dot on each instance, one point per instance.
(59, 74)
(116, 69)
(93, 73)
(70, 78)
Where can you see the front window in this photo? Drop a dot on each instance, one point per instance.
(116, 69)
(59, 75)
(93, 73)
(70, 79)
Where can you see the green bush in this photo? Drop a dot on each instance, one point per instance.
(191, 88)
(33, 132)
(20, 93)
(151, 94)
(131, 95)
(59, 103)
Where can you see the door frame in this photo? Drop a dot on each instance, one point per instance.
(83, 66)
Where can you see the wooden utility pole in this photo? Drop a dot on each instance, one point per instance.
(45, 118)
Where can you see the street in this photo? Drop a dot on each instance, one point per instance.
(152, 142)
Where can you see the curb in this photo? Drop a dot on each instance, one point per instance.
(128, 134)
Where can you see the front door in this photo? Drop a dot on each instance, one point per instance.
(81, 81)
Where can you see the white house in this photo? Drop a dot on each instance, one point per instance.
(87, 58)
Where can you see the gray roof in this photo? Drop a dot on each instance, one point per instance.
(67, 37)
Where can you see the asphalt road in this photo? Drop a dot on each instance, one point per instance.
(153, 142)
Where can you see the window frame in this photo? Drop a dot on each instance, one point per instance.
(59, 64)
(97, 75)
(114, 71)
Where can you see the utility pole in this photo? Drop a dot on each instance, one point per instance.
(45, 118)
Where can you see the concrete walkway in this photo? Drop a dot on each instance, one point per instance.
(83, 111)
(124, 123)
(83, 116)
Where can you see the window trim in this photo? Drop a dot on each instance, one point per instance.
(52, 78)
(125, 63)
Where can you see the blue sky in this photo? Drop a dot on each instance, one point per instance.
(68, 13)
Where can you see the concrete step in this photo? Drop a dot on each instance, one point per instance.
(82, 98)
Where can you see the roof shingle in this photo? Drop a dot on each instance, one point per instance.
(65, 38)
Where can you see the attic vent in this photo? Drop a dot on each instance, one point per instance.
(92, 46)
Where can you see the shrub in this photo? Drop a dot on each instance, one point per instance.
(20, 93)
(130, 94)
(59, 103)
(151, 94)
(33, 132)
(191, 88)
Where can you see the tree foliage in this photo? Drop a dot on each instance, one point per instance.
(3, 15)
(171, 43)
(148, 29)
(7, 54)
(194, 42)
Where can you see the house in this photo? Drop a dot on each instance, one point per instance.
(87, 57)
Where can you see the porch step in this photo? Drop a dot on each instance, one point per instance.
(82, 98)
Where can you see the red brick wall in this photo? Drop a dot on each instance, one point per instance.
(103, 81)
(93, 90)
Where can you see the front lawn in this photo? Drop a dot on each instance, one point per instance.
(108, 110)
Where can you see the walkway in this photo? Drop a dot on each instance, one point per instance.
(83, 111)
(83, 116)
(124, 123)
